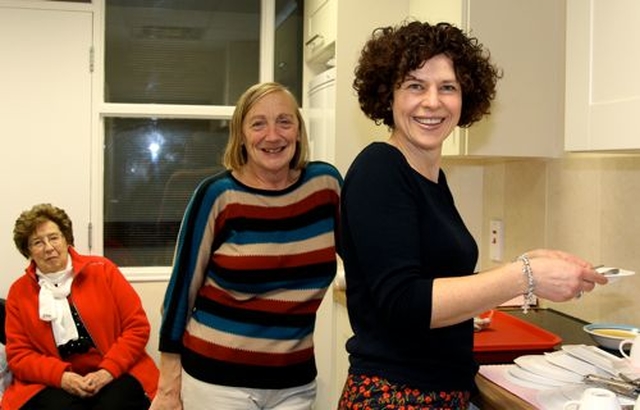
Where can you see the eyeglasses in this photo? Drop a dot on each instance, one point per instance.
(39, 243)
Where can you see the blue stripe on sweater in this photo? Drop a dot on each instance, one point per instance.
(320, 168)
(252, 330)
(192, 228)
(309, 231)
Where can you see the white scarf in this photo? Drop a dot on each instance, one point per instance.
(53, 304)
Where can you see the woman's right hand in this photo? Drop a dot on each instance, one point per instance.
(169, 384)
(75, 384)
(166, 402)
(560, 276)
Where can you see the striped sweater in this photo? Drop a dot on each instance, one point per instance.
(250, 270)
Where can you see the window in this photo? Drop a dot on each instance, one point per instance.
(197, 52)
(173, 71)
(151, 168)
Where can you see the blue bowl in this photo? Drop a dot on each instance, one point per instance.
(609, 335)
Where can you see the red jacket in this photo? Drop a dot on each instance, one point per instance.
(110, 310)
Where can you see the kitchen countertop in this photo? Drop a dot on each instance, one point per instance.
(569, 328)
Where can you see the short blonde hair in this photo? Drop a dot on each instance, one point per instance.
(235, 155)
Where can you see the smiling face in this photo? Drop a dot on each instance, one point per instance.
(271, 130)
(48, 248)
(427, 105)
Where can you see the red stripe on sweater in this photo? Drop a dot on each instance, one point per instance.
(303, 206)
(245, 357)
(262, 262)
(263, 305)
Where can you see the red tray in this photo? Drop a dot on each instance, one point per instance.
(509, 337)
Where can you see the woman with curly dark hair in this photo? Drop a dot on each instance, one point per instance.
(409, 259)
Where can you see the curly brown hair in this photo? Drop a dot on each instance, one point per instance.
(29, 220)
(392, 52)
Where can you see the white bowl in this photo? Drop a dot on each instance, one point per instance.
(609, 335)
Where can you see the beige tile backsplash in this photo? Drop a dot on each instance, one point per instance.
(585, 204)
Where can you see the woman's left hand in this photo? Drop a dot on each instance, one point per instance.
(96, 381)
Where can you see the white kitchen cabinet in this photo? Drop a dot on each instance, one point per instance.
(526, 40)
(354, 25)
(602, 87)
(320, 34)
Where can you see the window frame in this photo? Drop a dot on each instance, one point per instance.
(105, 110)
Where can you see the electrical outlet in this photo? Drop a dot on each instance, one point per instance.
(496, 240)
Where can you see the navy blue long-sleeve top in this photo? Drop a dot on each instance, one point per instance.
(400, 232)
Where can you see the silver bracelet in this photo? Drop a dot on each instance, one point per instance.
(529, 298)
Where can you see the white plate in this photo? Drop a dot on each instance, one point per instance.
(566, 361)
(555, 399)
(539, 365)
(522, 382)
(622, 273)
(595, 356)
(526, 375)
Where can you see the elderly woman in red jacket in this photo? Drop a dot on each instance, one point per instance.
(76, 329)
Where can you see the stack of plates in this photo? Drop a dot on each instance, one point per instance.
(558, 376)
(540, 366)
(573, 364)
(565, 367)
(535, 371)
(594, 355)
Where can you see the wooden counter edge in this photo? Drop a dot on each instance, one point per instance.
(494, 397)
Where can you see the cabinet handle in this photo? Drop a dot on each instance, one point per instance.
(313, 39)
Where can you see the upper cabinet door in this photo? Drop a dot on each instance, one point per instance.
(602, 86)
(526, 40)
(321, 18)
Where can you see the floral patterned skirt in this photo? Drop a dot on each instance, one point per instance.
(363, 392)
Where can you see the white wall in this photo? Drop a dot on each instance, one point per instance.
(583, 204)
(152, 294)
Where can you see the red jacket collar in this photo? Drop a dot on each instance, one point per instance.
(78, 263)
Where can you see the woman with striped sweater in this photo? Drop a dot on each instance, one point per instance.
(254, 257)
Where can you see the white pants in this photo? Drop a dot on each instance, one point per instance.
(200, 395)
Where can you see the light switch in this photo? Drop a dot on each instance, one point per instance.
(496, 240)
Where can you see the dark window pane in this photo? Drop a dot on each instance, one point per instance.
(151, 168)
(288, 45)
(181, 51)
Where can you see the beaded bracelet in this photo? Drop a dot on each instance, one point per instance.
(529, 298)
